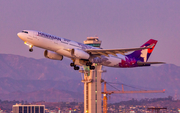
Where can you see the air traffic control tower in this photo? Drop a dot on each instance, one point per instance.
(93, 41)
(92, 82)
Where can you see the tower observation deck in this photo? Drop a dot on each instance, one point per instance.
(93, 41)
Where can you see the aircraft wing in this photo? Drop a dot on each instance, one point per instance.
(106, 52)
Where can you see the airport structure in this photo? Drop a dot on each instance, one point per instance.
(18, 108)
(92, 82)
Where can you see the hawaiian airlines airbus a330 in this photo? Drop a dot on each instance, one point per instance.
(81, 54)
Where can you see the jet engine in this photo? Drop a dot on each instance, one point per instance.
(80, 54)
(52, 55)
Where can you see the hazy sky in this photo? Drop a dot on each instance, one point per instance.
(118, 23)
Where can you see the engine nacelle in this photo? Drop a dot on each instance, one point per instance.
(80, 54)
(52, 55)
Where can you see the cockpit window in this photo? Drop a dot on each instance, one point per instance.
(25, 32)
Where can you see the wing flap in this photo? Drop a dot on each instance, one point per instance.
(102, 53)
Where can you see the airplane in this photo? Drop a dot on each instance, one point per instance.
(56, 48)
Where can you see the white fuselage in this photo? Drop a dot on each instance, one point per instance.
(63, 46)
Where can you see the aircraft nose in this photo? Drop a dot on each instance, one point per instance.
(19, 34)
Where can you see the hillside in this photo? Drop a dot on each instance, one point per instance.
(30, 79)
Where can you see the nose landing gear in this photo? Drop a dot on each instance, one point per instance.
(30, 46)
(31, 50)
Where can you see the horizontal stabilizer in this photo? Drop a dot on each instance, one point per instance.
(148, 63)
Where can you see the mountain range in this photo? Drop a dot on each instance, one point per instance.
(30, 79)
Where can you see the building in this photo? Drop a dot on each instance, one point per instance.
(18, 108)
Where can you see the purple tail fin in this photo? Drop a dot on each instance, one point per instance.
(143, 55)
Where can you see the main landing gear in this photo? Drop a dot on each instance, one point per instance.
(87, 64)
(90, 65)
(75, 67)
